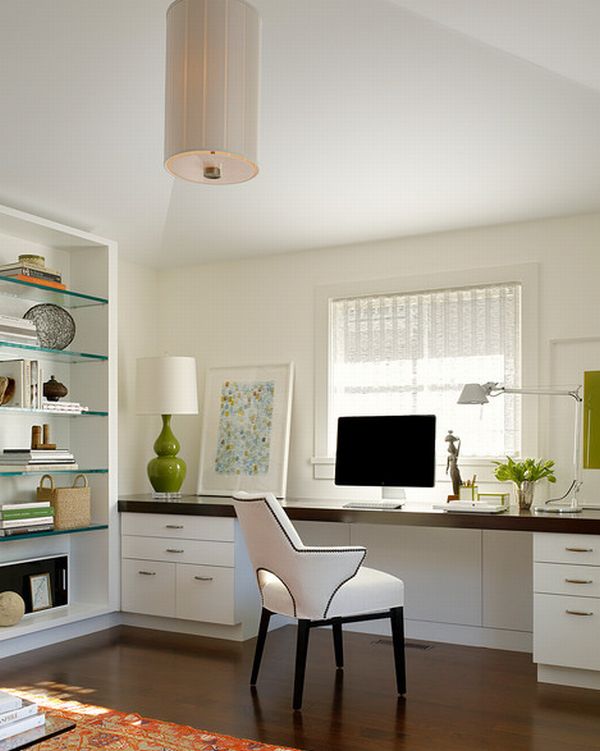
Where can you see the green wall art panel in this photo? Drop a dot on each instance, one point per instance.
(591, 419)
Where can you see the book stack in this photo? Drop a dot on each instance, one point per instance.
(18, 330)
(18, 715)
(28, 378)
(24, 518)
(36, 460)
(73, 408)
(26, 272)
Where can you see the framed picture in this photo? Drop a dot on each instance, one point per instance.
(246, 430)
(41, 591)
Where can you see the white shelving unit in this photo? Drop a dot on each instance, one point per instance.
(89, 369)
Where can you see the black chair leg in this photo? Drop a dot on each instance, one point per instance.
(301, 651)
(397, 621)
(338, 644)
(265, 617)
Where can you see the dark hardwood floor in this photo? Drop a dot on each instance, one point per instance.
(458, 697)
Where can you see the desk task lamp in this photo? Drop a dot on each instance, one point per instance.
(166, 386)
(477, 393)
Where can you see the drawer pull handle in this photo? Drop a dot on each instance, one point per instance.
(147, 573)
(580, 550)
(579, 612)
(173, 526)
(174, 550)
(203, 578)
(579, 581)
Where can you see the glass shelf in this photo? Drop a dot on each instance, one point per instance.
(41, 293)
(26, 473)
(49, 412)
(58, 355)
(54, 532)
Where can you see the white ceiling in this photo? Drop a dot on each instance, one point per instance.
(378, 119)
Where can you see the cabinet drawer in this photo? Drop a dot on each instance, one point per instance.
(566, 631)
(148, 587)
(178, 525)
(566, 579)
(180, 551)
(205, 593)
(580, 549)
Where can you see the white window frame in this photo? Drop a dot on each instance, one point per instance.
(526, 274)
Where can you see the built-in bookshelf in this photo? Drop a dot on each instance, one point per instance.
(88, 368)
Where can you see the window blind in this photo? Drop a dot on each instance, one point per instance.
(412, 353)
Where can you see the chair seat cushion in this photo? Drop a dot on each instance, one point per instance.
(368, 592)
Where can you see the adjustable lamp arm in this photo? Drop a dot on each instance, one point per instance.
(474, 393)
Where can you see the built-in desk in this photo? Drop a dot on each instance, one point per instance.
(414, 515)
(491, 580)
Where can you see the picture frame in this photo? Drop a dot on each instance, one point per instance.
(41, 592)
(246, 430)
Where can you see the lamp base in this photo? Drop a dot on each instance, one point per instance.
(559, 510)
(166, 471)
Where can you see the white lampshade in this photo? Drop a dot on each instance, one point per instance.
(212, 91)
(166, 386)
(473, 393)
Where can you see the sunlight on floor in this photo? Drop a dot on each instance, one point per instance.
(59, 696)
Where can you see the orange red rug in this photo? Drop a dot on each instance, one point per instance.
(101, 729)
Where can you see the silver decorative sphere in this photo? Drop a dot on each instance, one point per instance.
(12, 608)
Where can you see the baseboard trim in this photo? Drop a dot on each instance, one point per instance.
(569, 676)
(195, 628)
(50, 636)
(450, 633)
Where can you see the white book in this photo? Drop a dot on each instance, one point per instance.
(33, 504)
(20, 726)
(9, 701)
(34, 521)
(38, 467)
(27, 710)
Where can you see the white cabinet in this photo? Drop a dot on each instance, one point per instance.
(189, 567)
(566, 624)
(205, 593)
(148, 587)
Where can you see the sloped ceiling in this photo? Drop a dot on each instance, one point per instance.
(378, 119)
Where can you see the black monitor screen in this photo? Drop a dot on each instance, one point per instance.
(392, 451)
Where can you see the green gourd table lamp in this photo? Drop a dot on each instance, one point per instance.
(166, 386)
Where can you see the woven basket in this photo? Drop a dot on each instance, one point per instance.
(72, 507)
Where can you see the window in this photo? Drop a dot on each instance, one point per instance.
(412, 353)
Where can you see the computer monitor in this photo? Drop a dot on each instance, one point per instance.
(390, 451)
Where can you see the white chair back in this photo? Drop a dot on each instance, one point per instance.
(310, 575)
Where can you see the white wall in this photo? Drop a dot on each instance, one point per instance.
(138, 322)
(262, 310)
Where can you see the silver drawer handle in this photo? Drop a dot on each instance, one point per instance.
(580, 550)
(173, 526)
(147, 573)
(579, 612)
(579, 581)
(203, 578)
(174, 550)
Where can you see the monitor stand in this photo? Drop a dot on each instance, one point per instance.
(393, 494)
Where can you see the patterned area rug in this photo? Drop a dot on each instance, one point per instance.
(101, 729)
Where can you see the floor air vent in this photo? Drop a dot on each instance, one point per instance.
(409, 644)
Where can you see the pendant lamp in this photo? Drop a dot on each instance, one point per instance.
(212, 87)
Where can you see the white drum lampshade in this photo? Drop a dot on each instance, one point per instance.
(166, 386)
(212, 91)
